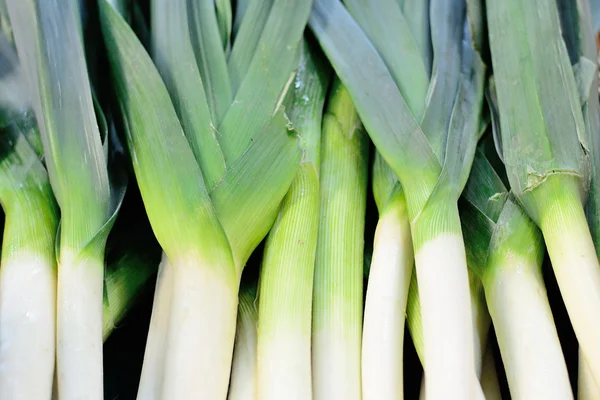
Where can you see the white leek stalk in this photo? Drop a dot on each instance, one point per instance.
(385, 305)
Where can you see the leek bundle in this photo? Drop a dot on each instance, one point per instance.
(545, 151)
(505, 251)
(49, 42)
(431, 161)
(200, 177)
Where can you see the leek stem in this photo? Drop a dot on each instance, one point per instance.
(575, 264)
(517, 302)
(385, 304)
(201, 330)
(28, 273)
(443, 289)
(242, 385)
(338, 285)
(151, 377)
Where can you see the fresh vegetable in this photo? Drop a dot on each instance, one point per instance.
(286, 275)
(28, 273)
(338, 285)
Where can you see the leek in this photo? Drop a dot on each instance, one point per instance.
(286, 276)
(150, 385)
(28, 272)
(543, 145)
(242, 385)
(338, 291)
(431, 205)
(387, 292)
(578, 32)
(392, 262)
(49, 42)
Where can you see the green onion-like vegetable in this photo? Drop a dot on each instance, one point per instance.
(48, 36)
(416, 157)
(150, 386)
(338, 285)
(393, 260)
(28, 270)
(286, 276)
(242, 385)
(577, 29)
(544, 150)
(387, 292)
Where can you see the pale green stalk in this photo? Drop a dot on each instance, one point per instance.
(27, 272)
(338, 285)
(286, 278)
(48, 35)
